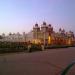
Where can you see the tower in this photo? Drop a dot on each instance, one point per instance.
(36, 33)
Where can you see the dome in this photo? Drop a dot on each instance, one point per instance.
(36, 25)
(10, 33)
(44, 23)
(49, 25)
(60, 29)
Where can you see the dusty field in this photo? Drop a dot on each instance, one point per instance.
(50, 62)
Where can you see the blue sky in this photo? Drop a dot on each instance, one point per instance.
(21, 15)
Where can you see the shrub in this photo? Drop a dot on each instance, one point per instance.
(55, 46)
(7, 47)
(35, 47)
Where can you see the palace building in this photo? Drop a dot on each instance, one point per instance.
(46, 35)
(42, 34)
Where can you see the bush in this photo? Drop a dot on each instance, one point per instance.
(55, 46)
(9, 47)
(35, 47)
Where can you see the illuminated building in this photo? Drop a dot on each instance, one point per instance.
(43, 34)
(47, 35)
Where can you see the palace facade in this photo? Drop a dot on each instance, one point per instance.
(46, 35)
(42, 34)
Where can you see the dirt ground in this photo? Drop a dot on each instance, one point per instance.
(48, 62)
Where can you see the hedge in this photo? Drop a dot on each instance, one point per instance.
(35, 47)
(7, 47)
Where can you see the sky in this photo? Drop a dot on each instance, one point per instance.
(21, 15)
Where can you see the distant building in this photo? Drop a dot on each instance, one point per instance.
(15, 37)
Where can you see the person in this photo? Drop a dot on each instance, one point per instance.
(29, 47)
(42, 47)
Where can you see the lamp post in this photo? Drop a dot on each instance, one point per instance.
(44, 38)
